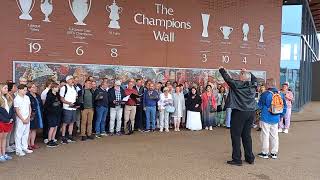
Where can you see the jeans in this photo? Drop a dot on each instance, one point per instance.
(164, 120)
(101, 116)
(115, 113)
(151, 117)
(228, 117)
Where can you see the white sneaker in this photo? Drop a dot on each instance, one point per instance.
(274, 156)
(161, 130)
(28, 151)
(20, 154)
(286, 131)
(280, 130)
(210, 128)
(206, 128)
(55, 140)
(167, 130)
(104, 134)
(45, 141)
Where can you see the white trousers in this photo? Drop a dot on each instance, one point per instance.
(22, 135)
(115, 113)
(164, 119)
(269, 133)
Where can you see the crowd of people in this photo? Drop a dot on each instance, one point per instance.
(96, 109)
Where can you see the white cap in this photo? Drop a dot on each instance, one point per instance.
(118, 83)
(69, 77)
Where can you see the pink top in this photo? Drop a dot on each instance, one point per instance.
(289, 98)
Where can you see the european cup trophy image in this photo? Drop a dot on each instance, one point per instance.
(25, 7)
(226, 31)
(245, 30)
(80, 9)
(205, 23)
(261, 28)
(46, 8)
(114, 15)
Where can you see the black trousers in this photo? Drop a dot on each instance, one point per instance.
(140, 118)
(241, 123)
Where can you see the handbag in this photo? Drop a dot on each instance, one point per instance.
(212, 110)
(170, 109)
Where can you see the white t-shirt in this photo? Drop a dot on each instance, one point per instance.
(23, 103)
(44, 94)
(71, 96)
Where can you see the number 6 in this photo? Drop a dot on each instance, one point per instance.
(79, 51)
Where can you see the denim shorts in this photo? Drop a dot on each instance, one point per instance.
(69, 116)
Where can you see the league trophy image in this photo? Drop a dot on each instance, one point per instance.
(46, 8)
(80, 9)
(25, 7)
(261, 28)
(205, 23)
(245, 30)
(226, 31)
(114, 11)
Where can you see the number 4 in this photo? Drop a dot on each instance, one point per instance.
(244, 60)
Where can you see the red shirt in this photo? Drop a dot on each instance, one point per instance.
(131, 102)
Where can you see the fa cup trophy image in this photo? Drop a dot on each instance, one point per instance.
(46, 8)
(80, 9)
(25, 7)
(114, 11)
(261, 28)
(205, 23)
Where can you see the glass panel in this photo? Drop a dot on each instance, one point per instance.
(291, 18)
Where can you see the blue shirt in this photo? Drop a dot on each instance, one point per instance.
(150, 98)
(265, 104)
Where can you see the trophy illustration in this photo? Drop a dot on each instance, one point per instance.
(226, 31)
(80, 9)
(261, 33)
(245, 30)
(25, 6)
(114, 11)
(46, 8)
(205, 23)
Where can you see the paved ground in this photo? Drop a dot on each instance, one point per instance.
(184, 155)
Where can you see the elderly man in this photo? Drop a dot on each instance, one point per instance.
(116, 94)
(241, 100)
(130, 107)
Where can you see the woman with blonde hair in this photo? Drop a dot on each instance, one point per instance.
(6, 120)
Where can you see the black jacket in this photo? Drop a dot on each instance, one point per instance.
(140, 92)
(98, 94)
(52, 105)
(242, 93)
(191, 103)
(112, 97)
(5, 116)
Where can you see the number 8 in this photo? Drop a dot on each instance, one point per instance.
(114, 52)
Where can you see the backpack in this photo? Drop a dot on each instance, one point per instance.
(277, 104)
(66, 90)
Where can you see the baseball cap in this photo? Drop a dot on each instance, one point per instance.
(69, 77)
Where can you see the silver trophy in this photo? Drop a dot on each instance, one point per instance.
(205, 23)
(226, 31)
(46, 8)
(261, 28)
(245, 31)
(114, 11)
(25, 6)
(80, 9)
